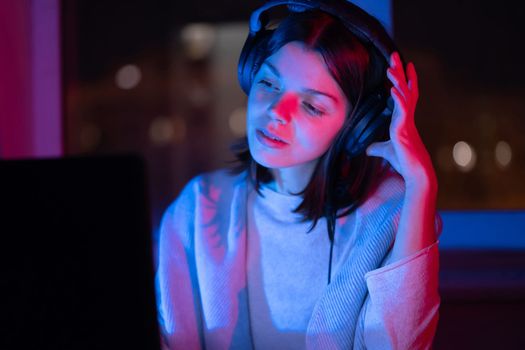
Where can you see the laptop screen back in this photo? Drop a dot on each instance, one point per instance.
(76, 256)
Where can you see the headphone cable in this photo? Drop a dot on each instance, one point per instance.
(330, 260)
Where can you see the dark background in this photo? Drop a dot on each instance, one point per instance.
(468, 55)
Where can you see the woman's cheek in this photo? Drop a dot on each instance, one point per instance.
(256, 103)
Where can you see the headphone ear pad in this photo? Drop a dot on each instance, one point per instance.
(371, 121)
(252, 56)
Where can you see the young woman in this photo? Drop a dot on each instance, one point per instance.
(311, 242)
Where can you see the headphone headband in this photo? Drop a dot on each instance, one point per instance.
(356, 20)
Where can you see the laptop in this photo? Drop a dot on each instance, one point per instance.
(76, 264)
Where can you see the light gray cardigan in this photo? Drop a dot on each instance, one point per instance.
(201, 277)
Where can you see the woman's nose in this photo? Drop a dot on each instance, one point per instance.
(283, 108)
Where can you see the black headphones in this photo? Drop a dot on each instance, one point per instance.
(372, 114)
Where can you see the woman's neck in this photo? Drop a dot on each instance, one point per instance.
(293, 179)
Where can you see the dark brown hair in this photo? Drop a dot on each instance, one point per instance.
(338, 184)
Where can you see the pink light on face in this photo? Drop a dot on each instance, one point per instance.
(284, 108)
(295, 99)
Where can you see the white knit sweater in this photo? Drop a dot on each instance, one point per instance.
(211, 294)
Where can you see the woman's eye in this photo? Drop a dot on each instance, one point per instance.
(266, 83)
(313, 110)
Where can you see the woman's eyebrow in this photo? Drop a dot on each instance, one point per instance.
(272, 68)
(308, 91)
(316, 92)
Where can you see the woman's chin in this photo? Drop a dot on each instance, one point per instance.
(270, 162)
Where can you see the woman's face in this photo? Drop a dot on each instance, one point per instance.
(295, 108)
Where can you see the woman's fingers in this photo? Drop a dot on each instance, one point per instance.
(397, 81)
(406, 84)
(400, 104)
(412, 80)
(379, 149)
(397, 65)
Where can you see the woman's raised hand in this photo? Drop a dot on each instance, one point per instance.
(405, 151)
(407, 154)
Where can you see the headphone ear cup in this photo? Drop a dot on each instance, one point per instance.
(252, 56)
(371, 121)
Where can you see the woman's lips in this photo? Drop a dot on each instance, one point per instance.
(270, 140)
